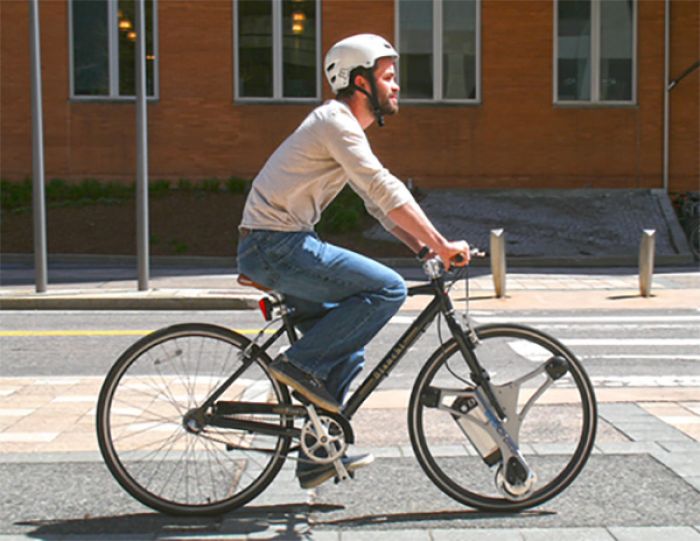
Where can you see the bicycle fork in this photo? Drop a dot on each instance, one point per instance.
(488, 414)
(496, 439)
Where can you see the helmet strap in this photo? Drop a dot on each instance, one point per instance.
(373, 99)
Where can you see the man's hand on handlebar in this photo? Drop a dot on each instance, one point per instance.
(454, 253)
(457, 253)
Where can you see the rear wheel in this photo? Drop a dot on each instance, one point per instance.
(163, 453)
(555, 434)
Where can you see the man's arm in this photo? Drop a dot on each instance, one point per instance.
(409, 240)
(416, 230)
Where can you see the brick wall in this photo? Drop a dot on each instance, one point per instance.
(515, 138)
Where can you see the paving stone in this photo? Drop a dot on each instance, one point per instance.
(680, 446)
(632, 447)
(384, 535)
(379, 452)
(677, 533)
(567, 534)
(322, 536)
(477, 534)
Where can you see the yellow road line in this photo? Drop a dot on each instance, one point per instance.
(100, 333)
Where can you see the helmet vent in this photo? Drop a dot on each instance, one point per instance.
(329, 68)
(333, 79)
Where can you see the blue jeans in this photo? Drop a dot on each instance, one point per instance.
(346, 297)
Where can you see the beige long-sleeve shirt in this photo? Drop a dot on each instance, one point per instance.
(307, 171)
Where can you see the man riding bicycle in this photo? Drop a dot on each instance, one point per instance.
(346, 298)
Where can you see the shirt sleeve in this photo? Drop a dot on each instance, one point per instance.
(381, 191)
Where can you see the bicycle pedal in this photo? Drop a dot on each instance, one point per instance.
(337, 480)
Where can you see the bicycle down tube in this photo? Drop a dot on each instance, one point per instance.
(440, 304)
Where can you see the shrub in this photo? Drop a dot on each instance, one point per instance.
(211, 185)
(236, 185)
(15, 195)
(344, 215)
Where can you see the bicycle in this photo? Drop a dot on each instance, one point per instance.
(190, 422)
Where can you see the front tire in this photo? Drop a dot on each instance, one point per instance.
(556, 436)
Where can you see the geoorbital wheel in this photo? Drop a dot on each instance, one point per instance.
(551, 416)
(163, 454)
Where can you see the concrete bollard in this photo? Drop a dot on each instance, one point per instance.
(498, 261)
(646, 261)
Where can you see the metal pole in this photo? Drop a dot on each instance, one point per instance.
(497, 247)
(38, 198)
(141, 148)
(646, 261)
(667, 101)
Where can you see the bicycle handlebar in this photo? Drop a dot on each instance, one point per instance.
(473, 252)
(434, 266)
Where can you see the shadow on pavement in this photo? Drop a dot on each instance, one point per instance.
(398, 518)
(288, 521)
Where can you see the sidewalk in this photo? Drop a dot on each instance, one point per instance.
(104, 285)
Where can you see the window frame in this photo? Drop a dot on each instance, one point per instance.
(595, 100)
(438, 58)
(113, 48)
(277, 59)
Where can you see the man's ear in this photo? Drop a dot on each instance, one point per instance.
(362, 82)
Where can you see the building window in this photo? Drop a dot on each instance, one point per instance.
(439, 42)
(277, 50)
(103, 46)
(595, 51)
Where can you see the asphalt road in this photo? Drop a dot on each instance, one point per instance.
(617, 348)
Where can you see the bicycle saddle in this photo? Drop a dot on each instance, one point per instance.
(247, 282)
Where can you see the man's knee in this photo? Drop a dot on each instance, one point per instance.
(396, 290)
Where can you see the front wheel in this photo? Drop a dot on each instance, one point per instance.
(160, 450)
(552, 419)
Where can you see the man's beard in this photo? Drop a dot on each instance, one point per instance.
(387, 107)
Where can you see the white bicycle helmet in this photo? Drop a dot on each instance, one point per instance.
(359, 51)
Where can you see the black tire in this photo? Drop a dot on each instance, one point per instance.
(140, 422)
(556, 436)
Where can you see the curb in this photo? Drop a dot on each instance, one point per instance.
(162, 299)
(679, 260)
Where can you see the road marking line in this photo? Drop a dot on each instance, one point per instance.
(588, 319)
(646, 381)
(631, 341)
(636, 357)
(135, 332)
(72, 333)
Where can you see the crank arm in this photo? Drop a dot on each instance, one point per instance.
(343, 474)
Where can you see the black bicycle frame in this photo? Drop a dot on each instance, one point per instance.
(441, 303)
